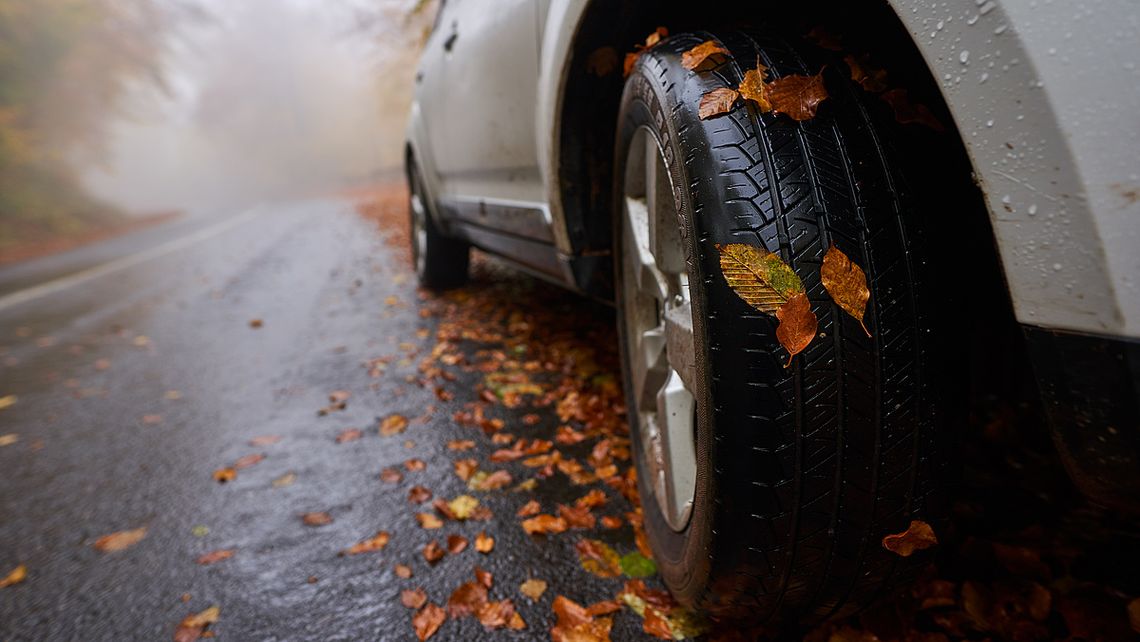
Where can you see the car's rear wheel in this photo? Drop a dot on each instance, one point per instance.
(766, 490)
(441, 261)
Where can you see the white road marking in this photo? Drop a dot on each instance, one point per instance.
(119, 264)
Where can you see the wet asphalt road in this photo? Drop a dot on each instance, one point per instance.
(91, 361)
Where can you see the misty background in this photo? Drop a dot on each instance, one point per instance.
(111, 109)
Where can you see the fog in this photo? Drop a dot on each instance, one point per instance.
(265, 100)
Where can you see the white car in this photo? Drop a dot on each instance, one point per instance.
(977, 160)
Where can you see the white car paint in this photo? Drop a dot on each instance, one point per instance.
(1045, 92)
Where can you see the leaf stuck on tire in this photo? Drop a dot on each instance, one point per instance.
(797, 325)
(716, 102)
(846, 283)
(695, 57)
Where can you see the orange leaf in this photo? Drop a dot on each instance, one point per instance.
(460, 444)
(846, 284)
(575, 624)
(752, 88)
(18, 574)
(544, 525)
(418, 494)
(428, 620)
(414, 465)
(429, 521)
(215, 556)
(797, 325)
(193, 627)
(375, 543)
(351, 434)
(696, 56)
(907, 112)
(248, 460)
(496, 615)
(529, 509)
(466, 599)
(456, 544)
(393, 425)
(120, 540)
(797, 96)
(918, 536)
(484, 577)
(432, 552)
(598, 558)
(223, 475)
(533, 589)
(577, 516)
(413, 598)
(716, 102)
(391, 476)
(484, 543)
(267, 440)
(316, 519)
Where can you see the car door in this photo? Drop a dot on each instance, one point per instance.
(489, 168)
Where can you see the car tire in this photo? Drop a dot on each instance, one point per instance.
(441, 262)
(798, 472)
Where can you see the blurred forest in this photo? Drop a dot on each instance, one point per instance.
(116, 107)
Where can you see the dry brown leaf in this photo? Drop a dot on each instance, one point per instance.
(456, 544)
(429, 521)
(493, 481)
(350, 434)
(650, 41)
(758, 277)
(716, 102)
(696, 56)
(484, 577)
(484, 543)
(391, 476)
(544, 525)
(466, 599)
(393, 425)
(316, 519)
(752, 88)
(339, 396)
(465, 468)
(918, 536)
(846, 283)
(402, 571)
(529, 509)
(265, 440)
(215, 556)
(611, 521)
(797, 96)
(432, 552)
(223, 475)
(247, 461)
(256, 323)
(413, 598)
(414, 465)
(18, 574)
(428, 620)
(120, 540)
(193, 627)
(418, 494)
(577, 516)
(907, 112)
(797, 325)
(375, 543)
(460, 444)
(598, 558)
(497, 615)
(575, 624)
(605, 607)
(533, 589)
(592, 499)
(870, 77)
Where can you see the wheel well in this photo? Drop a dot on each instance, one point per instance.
(588, 120)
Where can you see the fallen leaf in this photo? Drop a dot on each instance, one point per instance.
(907, 112)
(193, 627)
(463, 507)
(18, 574)
(215, 556)
(393, 425)
(120, 540)
(577, 516)
(530, 508)
(432, 552)
(483, 481)
(605, 607)
(533, 589)
(650, 41)
(716, 102)
(496, 615)
(264, 440)
(349, 434)
(575, 624)
(456, 544)
(223, 475)
(758, 277)
(339, 396)
(846, 283)
(413, 465)
(460, 444)
(256, 323)
(797, 325)
(413, 598)
(402, 571)
(429, 521)
(696, 56)
(375, 543)
(483, 577)
(466, 599)
(391, 476)
(635, 564)
(9, 439)
(611, 521)
(870, 77)
(918, 536)
(598, 558)
(285, 480)
(797, 96)
(316, 519)
(465, 468)
(428, 620)
(418, 494)
(752, 87)
(484, 543)
(152, 420)
(7, 401)
(544, 525)
(247, 461)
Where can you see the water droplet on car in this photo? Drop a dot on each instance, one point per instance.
(964, 57)
(1033, 209)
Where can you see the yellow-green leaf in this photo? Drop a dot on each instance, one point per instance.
(846, 284)
(758, 277)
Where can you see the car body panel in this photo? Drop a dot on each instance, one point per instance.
(1045, 93)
